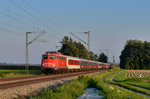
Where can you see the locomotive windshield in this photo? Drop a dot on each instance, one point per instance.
(45, 57)
(52, 57)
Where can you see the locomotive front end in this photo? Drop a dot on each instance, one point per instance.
(48, 63)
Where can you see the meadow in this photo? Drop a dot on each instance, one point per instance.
(140, 78)
(73, 89)
(7, 71)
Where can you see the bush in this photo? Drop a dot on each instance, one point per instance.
(92, 83)
(2, 75)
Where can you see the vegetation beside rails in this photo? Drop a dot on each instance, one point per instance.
(70, 90)
(122, 84)
(122, 78)
(145, 85)
(18, 73)
(75, 88)
(139, 82)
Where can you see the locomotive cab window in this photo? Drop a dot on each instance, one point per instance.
(45, 57)
(52, 57)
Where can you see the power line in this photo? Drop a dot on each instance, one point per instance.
(16, 26)
(21, 8)
(14, 12)
(38, 12)
(41, 13)
(83, 40)
(79, 38)
(16, 19)
(43, 32)
(32, 15)
(11, 17)
(9, 10)
(6, 30)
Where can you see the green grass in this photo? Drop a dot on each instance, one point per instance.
(7, 71)
(121, 77)
(75, 88)
(145, 85)
(127, 86)
(69, 90)
(133, 81)
(18, 73)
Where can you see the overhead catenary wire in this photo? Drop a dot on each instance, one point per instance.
(38, 20)
(16, 19)
(10, 10)
(20, 21)
(48, 19)
(11, 17)
(6, 30)
(38, 12)
(43, 32)
(16, 26)
(24, 10)
(31, 13)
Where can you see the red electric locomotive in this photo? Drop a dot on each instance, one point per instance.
(55, 61)
(52, 61)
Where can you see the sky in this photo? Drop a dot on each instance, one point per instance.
(110, 22)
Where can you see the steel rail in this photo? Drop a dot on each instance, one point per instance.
(26, 81)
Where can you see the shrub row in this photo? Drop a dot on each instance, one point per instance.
(19, 67)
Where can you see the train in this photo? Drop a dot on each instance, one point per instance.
(56, 62)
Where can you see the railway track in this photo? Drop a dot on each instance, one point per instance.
(20, 81)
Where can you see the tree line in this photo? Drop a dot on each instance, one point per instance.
(135, 55)
(77, 49)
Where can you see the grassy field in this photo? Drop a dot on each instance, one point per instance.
(7, 71)
(18, 73)
(75, 88)
(140, 82)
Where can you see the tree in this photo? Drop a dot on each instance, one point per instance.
(76, 49)
(93, 56)
(135, 55)
(73, 48)
(103, 58)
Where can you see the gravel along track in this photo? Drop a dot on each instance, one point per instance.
(15, 89)
(20, 82)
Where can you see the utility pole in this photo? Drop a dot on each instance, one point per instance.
(27, 61)
(27, 44)
(88, 40)
(107, 52)
(113, 60)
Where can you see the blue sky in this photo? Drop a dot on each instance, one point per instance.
(110, 22)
